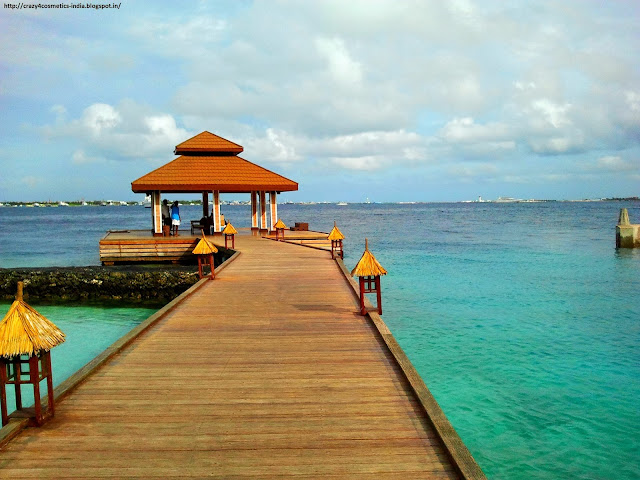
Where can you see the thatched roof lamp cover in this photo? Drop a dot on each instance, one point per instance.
(368, 266)
(335, 233)
(229, 230)
(279, 224)
(24, 331)
(205, 247)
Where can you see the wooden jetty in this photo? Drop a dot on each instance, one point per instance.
(269, 371)
(142, 246)
(138, 246)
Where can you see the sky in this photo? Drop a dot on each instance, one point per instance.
(386, 100)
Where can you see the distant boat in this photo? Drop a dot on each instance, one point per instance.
(342, 203)
(63, 204)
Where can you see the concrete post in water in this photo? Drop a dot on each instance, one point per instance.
(623, 218)
(627, 234)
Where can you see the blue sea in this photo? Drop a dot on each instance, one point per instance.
(522, 318)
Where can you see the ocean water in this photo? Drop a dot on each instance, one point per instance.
(523, 319)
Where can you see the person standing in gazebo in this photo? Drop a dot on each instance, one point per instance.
(175, 218)
(166, 217)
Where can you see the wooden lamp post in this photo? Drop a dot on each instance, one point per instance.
(26, 338)
(280, 226)
(369, 271)
(336, 238)
(205, 250)
(229, 231)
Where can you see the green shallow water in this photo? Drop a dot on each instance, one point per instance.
(89, 330)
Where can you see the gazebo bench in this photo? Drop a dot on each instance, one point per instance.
(196, 225)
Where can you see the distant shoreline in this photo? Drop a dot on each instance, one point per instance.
(112, 203)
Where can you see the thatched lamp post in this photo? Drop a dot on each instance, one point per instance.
(229, 231)
(26, 338)
(369, 271)
(205, 250)
(336, 237)
(280, 226)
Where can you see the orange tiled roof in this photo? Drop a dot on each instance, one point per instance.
(230, 174)
(207, 142)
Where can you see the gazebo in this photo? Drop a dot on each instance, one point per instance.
(209, 164)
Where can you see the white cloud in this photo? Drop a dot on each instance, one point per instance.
(183, 37)
(275, 146)
(614, 163)
(31, 181)
(163, 127)
(80, 158)
(368, 163)
(344, 70)
(59, 110)
(465, 130)
(99, 117)
(552, 113)
(473, 171)
(369, 143)
(357, 85)
(633, 100)
(362, 151)
(555, 145)
(127, 131)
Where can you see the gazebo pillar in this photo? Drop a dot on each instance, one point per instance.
(216, 212)
(205, 204)
(263, 211)
(254, 210)
(156, 214)
(273, 204)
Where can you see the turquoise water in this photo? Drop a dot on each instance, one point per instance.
(523, 319)
(89, 331)
(524, 322)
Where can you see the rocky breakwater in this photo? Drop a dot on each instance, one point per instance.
(127, 283)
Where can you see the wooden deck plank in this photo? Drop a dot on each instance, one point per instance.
(267, 372)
